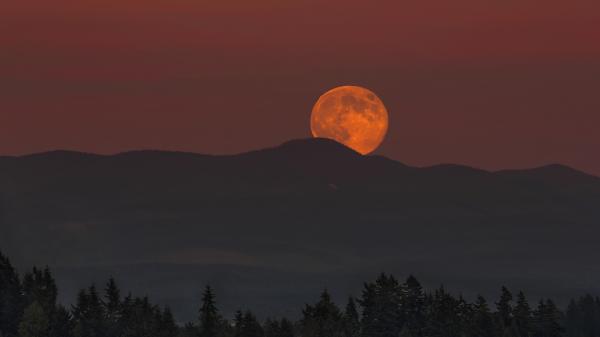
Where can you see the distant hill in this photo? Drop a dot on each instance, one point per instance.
(274, 226)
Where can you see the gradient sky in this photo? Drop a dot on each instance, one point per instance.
(492, 84)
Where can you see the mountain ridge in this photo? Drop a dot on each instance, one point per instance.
(304, 207)
(305, 147)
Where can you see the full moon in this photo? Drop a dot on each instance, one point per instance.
(353, 116)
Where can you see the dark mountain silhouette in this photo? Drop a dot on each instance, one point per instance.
(275, 225)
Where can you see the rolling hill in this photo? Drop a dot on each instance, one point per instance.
(270, 228)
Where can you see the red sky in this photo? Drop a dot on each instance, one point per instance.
(492, 84)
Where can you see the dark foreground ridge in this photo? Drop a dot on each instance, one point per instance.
(385, 308)
(309, 212)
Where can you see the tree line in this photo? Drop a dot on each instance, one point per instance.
(386, 308)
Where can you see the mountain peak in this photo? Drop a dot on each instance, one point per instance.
(317, 145)
(556, 173)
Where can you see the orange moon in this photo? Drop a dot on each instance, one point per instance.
(351, 115)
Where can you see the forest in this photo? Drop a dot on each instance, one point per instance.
(387, 307)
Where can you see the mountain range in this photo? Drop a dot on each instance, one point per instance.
(271, 228)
